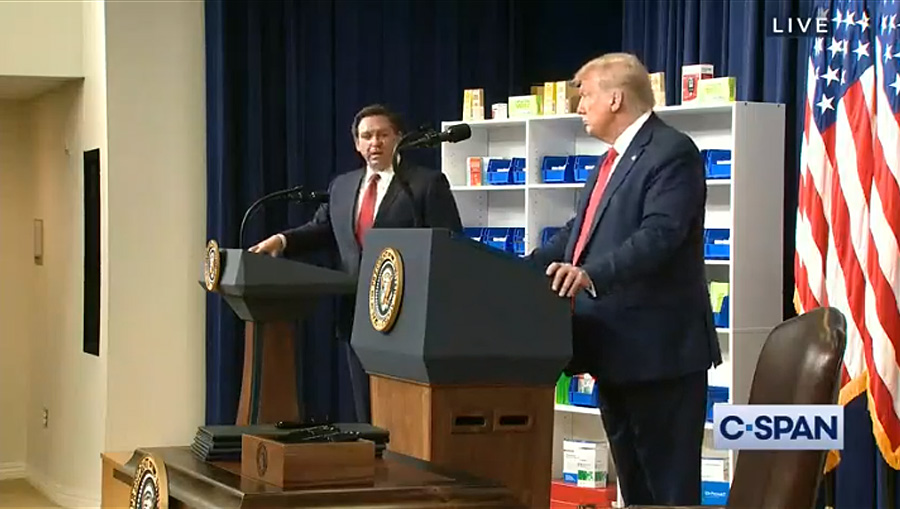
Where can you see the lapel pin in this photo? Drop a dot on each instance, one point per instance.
(633, 158)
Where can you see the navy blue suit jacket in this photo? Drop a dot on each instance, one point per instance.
(334, 223)
(652, 318)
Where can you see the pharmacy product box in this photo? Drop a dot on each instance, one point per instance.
(690, 80)
(585, 463)
(525, 105)
(658, 85)
(475, 171)
(716, 90)
(473, 104)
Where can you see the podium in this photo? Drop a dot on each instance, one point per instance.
(463, 345)
(269, 294)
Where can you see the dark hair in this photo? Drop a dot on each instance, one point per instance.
(376, 110)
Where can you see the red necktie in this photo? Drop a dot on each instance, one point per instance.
(367, 209)
(593, 204)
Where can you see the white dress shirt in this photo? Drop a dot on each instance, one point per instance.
(386, 175)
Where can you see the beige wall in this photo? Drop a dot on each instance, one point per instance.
(40, 38)
(157, 222)
(17, 274)
(142, 103)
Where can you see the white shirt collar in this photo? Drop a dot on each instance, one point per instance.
(385, 174)
(624, 140)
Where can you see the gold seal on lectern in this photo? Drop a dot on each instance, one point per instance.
(386, 290)
(150, 488)
(212, 266)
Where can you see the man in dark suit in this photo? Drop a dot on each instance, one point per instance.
(374, 196)
(632, 262)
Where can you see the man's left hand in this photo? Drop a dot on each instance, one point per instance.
(568, 279)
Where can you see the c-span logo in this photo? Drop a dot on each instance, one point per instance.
(778, 427)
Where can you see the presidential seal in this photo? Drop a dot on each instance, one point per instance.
(262, 460)
(150, 488)
(212, 266)
(386, 290)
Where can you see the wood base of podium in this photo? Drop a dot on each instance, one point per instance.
(500, 433)
(268, 386)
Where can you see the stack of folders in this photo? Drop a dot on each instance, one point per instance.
(223, 442)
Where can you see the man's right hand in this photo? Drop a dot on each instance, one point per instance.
(272, 246)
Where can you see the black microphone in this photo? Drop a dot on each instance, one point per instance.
(293, 194)
(431, 138)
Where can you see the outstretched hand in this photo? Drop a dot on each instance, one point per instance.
(567, 279)
(271, 246)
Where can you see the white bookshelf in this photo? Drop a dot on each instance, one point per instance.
(750, 204)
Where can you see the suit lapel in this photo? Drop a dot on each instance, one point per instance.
(389, 196)
(620, 172)
(345, 206)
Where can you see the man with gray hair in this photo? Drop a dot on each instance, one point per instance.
(632, 262)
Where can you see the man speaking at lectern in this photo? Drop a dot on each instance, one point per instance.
(632, 262)
(375, 196)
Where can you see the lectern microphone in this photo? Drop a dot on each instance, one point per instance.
(431, 138)
(292, 194)
(424, 137)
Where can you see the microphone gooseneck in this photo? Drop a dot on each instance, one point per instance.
(293, 194)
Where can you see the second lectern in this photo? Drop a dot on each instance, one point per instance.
(269, 294)
(463, 345)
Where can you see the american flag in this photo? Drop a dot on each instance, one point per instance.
(848, 216)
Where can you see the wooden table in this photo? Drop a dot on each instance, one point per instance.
(400, 482)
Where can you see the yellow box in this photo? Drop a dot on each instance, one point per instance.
(478, 104)
(658, 84)
(549, 98)
(716, 90)
(525, 105)
(467, 105)
(566, 98)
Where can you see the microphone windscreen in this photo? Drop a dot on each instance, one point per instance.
(459, 132)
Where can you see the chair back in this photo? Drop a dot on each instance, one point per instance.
(800, 364)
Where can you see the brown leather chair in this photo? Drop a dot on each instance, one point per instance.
(800, 364)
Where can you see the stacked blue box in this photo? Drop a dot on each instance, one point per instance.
(498, 171)
(557, 170)
(586, 399)
(714, 394)
(498, 238)
(548, 234)
(717, 243)
(718, 163)
(720, 318)
(714, 493)
(518, 241)
(518, 170)
(584, 165)
(474, 233)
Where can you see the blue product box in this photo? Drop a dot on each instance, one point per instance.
(518, 170)
(717, 244)
(584, 165)
(498, 172)
(718, 163)
(557, 169)
(714, 493)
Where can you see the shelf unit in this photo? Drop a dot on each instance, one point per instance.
(750, 204)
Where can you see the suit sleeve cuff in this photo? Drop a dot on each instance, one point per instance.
(591, 291)
(283, 241)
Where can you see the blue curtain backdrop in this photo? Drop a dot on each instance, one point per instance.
(735, 38)
(284, 80)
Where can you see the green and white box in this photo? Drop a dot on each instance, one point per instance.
(585, 463)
